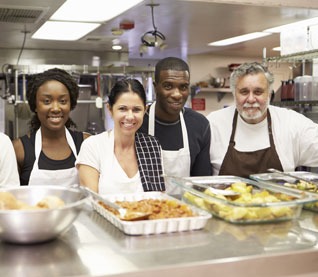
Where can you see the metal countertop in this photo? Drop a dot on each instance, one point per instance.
(94, 247)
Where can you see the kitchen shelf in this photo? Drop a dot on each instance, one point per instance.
(295, 103)
(299, 56)
(225, 90)
(220, 91)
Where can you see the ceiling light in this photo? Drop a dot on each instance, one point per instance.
(92, 10)
(302, 23)
(76, 18)
(153, 38)
(55, 30)
(238, 39)
(117, 31)
(117, 47)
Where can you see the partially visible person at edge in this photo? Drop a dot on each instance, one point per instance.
(184, 134)
(9, 175)
(121, 160)
(47, 154)
(253, 136)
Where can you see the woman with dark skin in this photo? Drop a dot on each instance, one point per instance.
(47, 154)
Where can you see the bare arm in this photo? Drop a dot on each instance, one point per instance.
(88, 176)
(19, 153)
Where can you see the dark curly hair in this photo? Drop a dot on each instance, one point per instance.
(37, 80)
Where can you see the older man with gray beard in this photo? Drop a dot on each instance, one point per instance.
(252, 136)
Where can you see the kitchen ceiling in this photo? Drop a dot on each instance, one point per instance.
(188, 26)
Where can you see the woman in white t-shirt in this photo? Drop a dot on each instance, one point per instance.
(122, 160)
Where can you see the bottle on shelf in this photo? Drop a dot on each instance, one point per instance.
(290, 90)
(303, 88)
(283, 95)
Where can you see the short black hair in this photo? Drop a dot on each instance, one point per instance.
(126, 85)
(37, 80)
(170, 63)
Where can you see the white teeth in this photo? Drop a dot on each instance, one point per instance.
(128, 124)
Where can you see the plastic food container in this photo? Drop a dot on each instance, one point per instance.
(155, 226)
(286, 181)
(264, 203)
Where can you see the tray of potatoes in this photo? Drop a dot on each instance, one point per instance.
(254, 202)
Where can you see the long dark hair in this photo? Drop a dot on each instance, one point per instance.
(38, 80)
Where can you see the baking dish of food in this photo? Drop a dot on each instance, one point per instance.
(287, 181)
(195, 219)
(254, 203)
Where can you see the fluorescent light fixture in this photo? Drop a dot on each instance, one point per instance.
(279, 29)
(92, 10)
(117, 47)
(56, 30)
(238, 39)
(278, 48)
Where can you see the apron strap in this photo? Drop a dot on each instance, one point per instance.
(38, 144)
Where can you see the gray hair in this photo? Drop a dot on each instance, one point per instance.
(250, 69)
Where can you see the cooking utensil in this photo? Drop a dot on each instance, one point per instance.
(34, 226)
(200, 184)
(124, 214)
(217, 191)
(291, 175)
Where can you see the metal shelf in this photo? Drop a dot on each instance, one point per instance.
(81, 69)
(93, 101)
(295, 103)
(299, 56)
(220, 91)
(212, 89)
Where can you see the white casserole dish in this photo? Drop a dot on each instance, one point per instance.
(157, 226)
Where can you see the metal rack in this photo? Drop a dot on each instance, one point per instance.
(299, 56)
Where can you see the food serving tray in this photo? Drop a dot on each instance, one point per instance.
(265, 203)
(155, 226)
(288, 181)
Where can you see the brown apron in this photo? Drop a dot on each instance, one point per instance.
(244, 164)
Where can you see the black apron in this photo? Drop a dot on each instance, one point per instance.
(244, 164)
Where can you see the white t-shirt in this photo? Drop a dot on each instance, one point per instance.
(295, 137)
(9, 175)
(98, 152)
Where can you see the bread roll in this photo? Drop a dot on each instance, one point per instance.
(51, 202)
(8, 201)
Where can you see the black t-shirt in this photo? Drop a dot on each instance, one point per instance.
(44, 161)
(199, 136)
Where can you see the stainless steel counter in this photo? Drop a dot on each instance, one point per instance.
(94, 247)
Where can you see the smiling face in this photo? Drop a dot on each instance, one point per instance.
(128, 112)
(252, 97)
(53, 105)
(172, 92)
